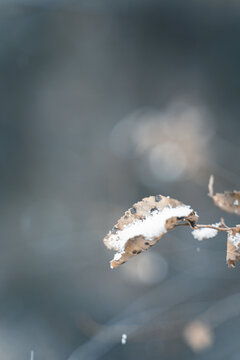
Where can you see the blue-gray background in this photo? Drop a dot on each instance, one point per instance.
(103, 103)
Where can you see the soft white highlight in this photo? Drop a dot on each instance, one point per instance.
(124, 339)
(198, 335)
(205, 233)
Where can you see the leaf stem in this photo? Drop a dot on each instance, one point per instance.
(221, 228)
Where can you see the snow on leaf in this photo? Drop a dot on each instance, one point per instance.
(233, 246)
(228, 201)
(144, 224)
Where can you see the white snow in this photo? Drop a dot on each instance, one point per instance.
(235, 239)
(124, 339)
(205, 233)
(117, 256)
(235, 202)
(151, 227)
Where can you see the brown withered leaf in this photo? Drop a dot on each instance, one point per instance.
(144, 224)
(233, 248)
(228, 201)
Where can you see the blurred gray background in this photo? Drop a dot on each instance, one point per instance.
(104, 103)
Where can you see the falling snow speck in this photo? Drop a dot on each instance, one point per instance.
(124, 339)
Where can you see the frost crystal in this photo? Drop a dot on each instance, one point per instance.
(205, 233)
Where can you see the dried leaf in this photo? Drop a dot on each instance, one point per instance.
(144, 224)
(227, 201)
(233, 246)
(198, 335)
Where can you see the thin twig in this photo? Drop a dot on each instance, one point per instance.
(226, 228)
